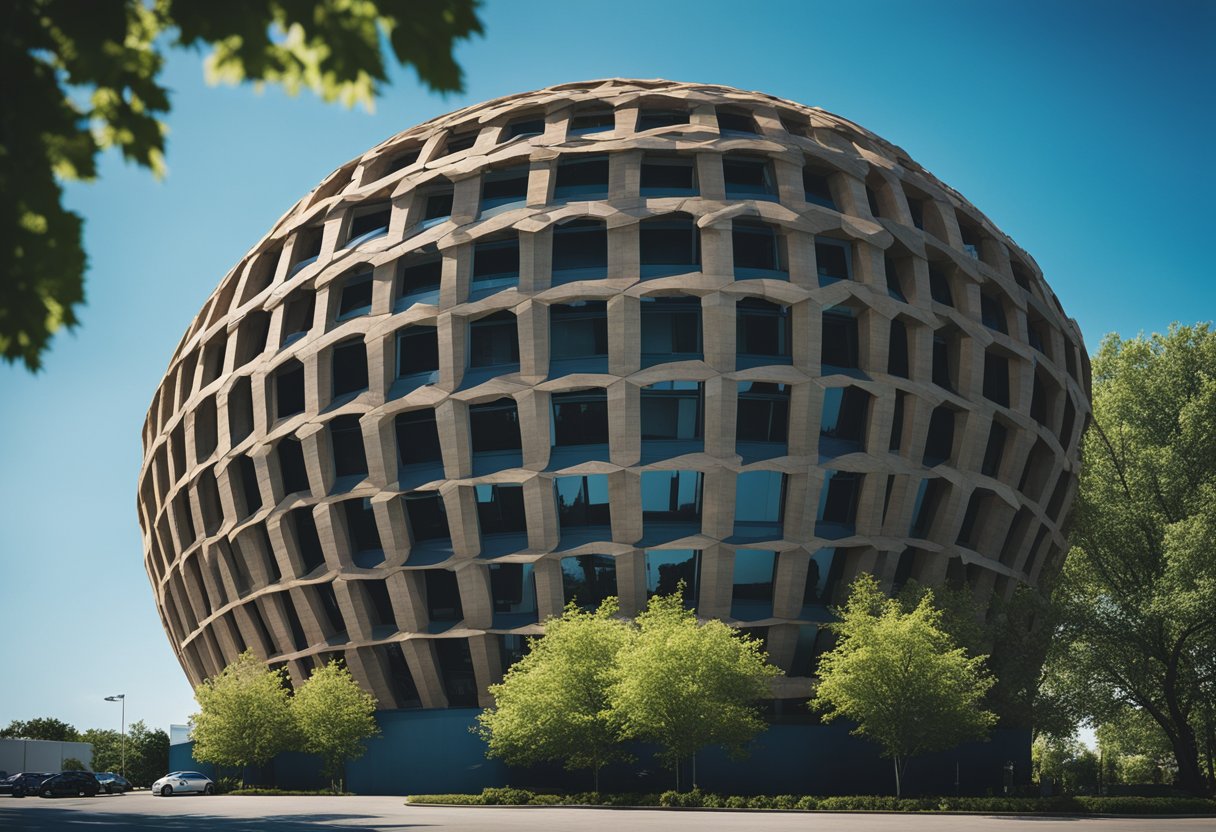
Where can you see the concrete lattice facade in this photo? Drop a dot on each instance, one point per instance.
(897, 327)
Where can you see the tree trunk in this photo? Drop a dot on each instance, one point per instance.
(898, 787)
(677, 775)
(595, 768)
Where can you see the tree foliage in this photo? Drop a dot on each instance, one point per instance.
(1070, 766)
(107, 749)
(83, 77)
(244, 715)
(1137, 596)
(334, 717)
(40, 728)
(71, 764)
(687, 684)
(901, 678)
(553, 703)
(147, 751)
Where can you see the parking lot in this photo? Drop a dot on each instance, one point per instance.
(142, 811)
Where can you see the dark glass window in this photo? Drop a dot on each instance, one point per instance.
(752, 586)
(588, 579)
(763, 412)
(495, 265)
(533, 125)
(839, 347)
(735, 121)
(816, 187)
(460, 141)
(943, 363)
(669, 245)
(349, 367)
(417, 437)
(308, 542)
(495, 426)
(924, 509)
(580, 418)
(822, 576)
(506, 186)
(1070, 416)
(897, 349)
(838, 502)
(500, 509)
(648, 119)
(493, 341)
(844, 415)
(916, 207)
(671, 496)
(333, 613)
(939, 444)
(666, 568)
(288, 389)
(757, 248)
(992, 312)
(592, 121)
(437, 207)
(402, 160)
(307, 249)
(580, 250)
(996, 378)
(456, 668)
(939, 285)
(748, 178)
(382, 604)
(427, 515)
(513, 588)
(417, 350)
(673, 410)
(442, 595)
(368, 224)
(994, 451)
(1034, 336)
(346, 440)
(582, 501)
(671, 329)
(763, 329)
(897, 421)
(405, 692)
(297, 318)
(872, 200)
(581, 177)
(895, 286)
(833, 261)
(578, 330)
(1038, 401)
(668, 176)
(759, 497)
(420, 277)
(250, 489)
(291, 465)
(361, 526)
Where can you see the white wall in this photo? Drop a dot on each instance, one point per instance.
(41, 755)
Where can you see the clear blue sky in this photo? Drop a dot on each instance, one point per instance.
(1083, 129)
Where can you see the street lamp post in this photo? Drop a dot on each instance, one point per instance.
(122, 697)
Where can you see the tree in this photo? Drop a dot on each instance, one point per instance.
(1134, 749)
(334, 716)
(687, 684)
(147, 753)
(83, 77)
(553, 703)
(1071, 766)
(1136, 599)
(71, 764)
(40, 728)
(900, 677)
(107, 749)
(244, 715)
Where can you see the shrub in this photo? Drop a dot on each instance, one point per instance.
(71, 764)
(227, 785)
(1146, 805)
(262, 791)
(506, 796)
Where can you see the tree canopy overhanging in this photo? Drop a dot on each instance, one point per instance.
(82, 77)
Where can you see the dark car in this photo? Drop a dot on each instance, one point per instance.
(27, 782)
(81, 783)
(112, 783)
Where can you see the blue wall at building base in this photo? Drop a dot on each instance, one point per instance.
(427, 752)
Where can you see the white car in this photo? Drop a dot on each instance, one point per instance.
(183, 782)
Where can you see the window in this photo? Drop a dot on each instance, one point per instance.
(1035, 328)
(667, 568)
(240, 399)
(456, 670)
(1021, 275)
(292, 470)
(928, 497)
(513, 589)
(671, 496)
(251, 337)
(503, 187)
(752, 587)
(442, 595)
(333, 613)
(762, 331)
(939, 444)
(976, 517)
(895, 287)
(748, 178)
(945, 352)
(306, 250)
(500, 509)
(822, 576)
(588, 579)
(672, 410)
(668, 176)
(368, 223)
(939, 285)
(493, 341)
(581, 177)
(427, 515)
(1041, 402)
(994, 451)
(757, 250)
(897, 349)
(759, 497)
(588, 121)
(580, 418)
(402, 160)
(579, 330)
(288, 388)
(971, 237)
(308, 542)
(460, 141)
(842, 428)
(494, 426)
(992, 313)
(356, 297)
(833, 261)
(839, 346)
(735, 121)
(382, 614)
(349, 367)
(897, 421)
(530, 125)
(346, 441)
(763, 412)
(1070, 417)
(251, 492)
(996, 378)
(419, 279)
(669, 245)
(401, 681)
(495, 266)
(580, 251)
(671, 329)
(650, 118)
(582, 501)
(436, 202)
(417, 437)
(418, 352)
(362, 532)
(297, 317)
(838, 504)
(816, 186)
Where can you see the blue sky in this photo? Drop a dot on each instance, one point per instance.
(1082, 129)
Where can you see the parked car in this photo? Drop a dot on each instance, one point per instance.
(183, 782)
(80, 783)
(112, 783)
(26, 782)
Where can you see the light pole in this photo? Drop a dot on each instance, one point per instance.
(122, 697)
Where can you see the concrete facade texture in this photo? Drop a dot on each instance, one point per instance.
(593, 340)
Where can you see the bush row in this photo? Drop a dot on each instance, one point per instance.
(697, 799)
(259, 790)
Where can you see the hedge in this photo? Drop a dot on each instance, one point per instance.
(696, 799)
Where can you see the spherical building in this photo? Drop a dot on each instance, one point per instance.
(590, 341)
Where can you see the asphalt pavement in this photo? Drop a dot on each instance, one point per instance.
(142, 811)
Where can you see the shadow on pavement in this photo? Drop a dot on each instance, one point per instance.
(53, 820)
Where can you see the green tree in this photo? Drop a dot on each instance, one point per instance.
(83, 77)
(1134, 749)
(244, 715)
(71, 764)
(1071, 766)
(334, 716)
(147, 753)
(107, 749)
(900, 677)
(40, 728)
(686, 684)
(1136, 599)
(553, 703)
